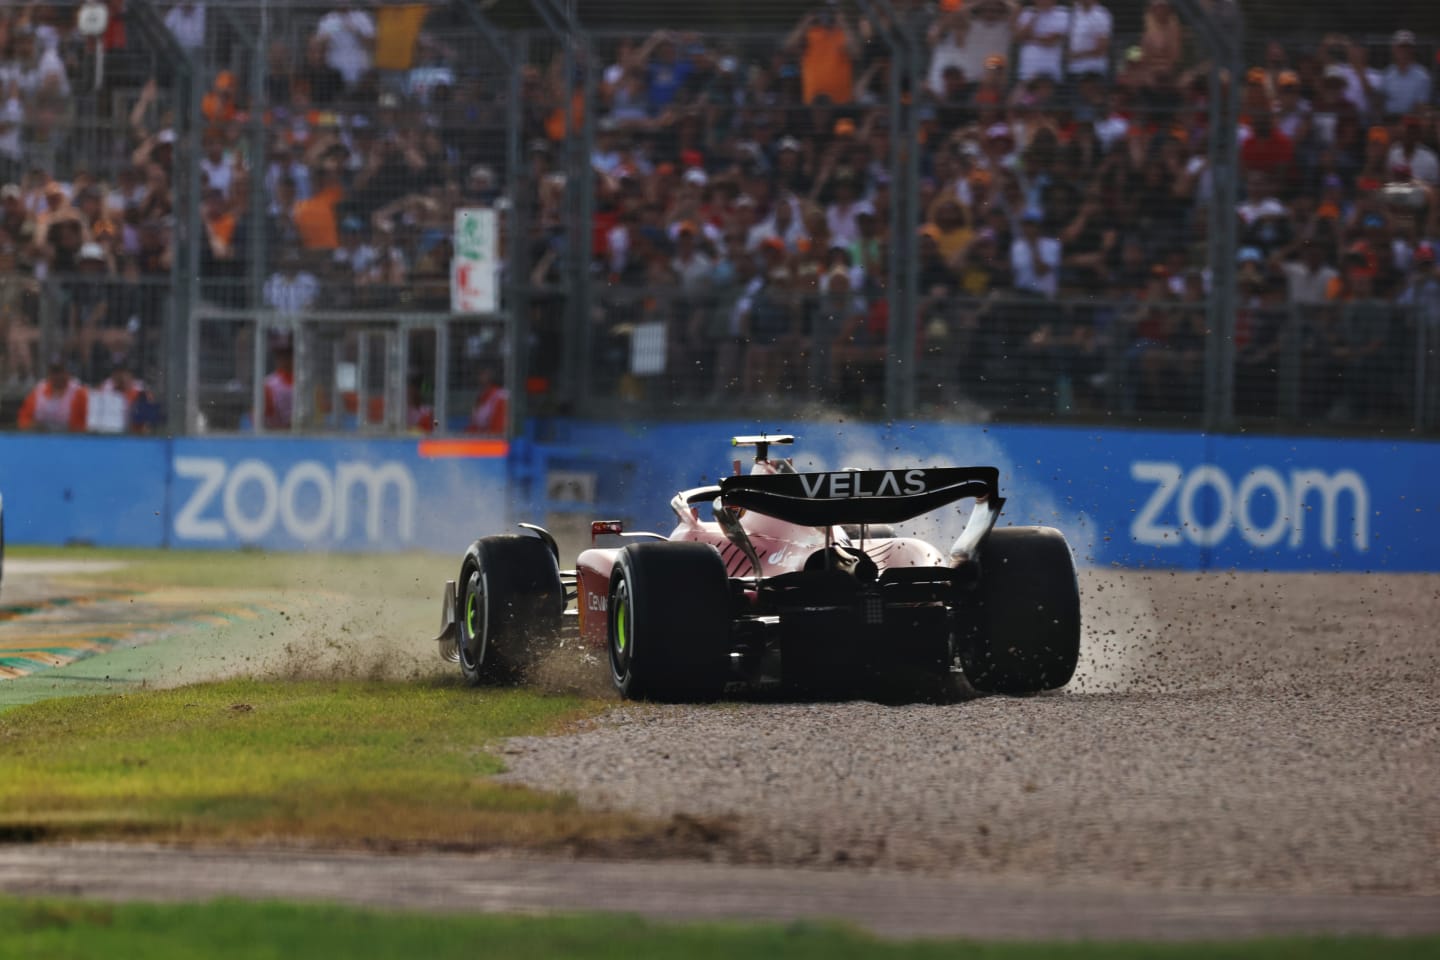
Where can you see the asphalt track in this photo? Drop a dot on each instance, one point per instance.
(1240, 756)
(885, 903)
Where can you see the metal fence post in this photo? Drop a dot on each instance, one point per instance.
(185, 266)
(563, 20)
(902, 271)
(513, 50)
(1220, 29)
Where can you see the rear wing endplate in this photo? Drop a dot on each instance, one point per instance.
(860, 496)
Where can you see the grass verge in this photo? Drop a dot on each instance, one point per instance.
(396, 573)
(234, 929)
(348, 763)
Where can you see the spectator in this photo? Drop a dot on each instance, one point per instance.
(828, 49)
(969, 36)
(354, 261)
(1405, 85)
(783, 223)
(218, 219)
(315, 218)
(346, 36)
(953, 232)
(186, 21)
(491, 412)
(983, 266)
(946, 37)
(1277, 61)
(219, 105)
(1347, 61)
(279, 387)
(1161, 43)
(666, 73)
(217, 166)
(691, 265)
(12, 119)
(1309, 276)
(119, 404)
(291, 290)
(1089, 48)
(1333, 111)
(1268, 150)
(390, 267)
(57, 403)
(933, 269)
(989, 96)
(419, 415)
(1264, 218)
(93, 330)
(18, 331)
(1292, 110)
(1035, 258)
(35, 70)
(848, 346)
(769, 321)
(1410, 159)
(1041, 31)
(841, 215)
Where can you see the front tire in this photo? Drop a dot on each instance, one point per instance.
(1024, 633)
(669, 622)
(509, 604)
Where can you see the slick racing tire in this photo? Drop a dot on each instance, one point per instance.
(509, 604)
(669, 622)
(1024, 630)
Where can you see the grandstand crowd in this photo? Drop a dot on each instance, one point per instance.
(743, 197)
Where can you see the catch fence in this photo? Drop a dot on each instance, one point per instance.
(687, 221)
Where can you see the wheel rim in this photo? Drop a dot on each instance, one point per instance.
(475, 623)
(622, 644)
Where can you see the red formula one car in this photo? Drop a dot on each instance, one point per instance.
(796, 579)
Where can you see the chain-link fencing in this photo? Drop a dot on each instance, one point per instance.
(1132, 214)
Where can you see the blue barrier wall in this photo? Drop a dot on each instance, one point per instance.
(276, 493)
(84, 489)
(1128, 497)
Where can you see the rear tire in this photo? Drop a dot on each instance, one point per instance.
(1024, 632)
(669, 622)
(508, 606)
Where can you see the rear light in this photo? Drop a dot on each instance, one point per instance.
(601, 527)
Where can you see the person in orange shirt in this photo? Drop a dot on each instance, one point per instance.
(315, 217)
(218, 105)
(59, 402)
(828, 50)
(219, 221)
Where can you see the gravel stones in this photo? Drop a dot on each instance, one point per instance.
(1275, 732)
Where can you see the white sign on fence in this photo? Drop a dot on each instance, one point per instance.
(475, 268)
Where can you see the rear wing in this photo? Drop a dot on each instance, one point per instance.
(860, 496)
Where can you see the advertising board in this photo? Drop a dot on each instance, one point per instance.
(1131, 498)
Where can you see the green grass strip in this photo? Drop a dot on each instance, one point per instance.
(350, 762)
(234, 929)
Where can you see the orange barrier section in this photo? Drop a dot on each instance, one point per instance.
(446, 449)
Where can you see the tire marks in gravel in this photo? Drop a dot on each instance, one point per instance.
(1227, 732)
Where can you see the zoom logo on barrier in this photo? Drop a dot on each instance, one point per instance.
(1266, 508)
(308, 501)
